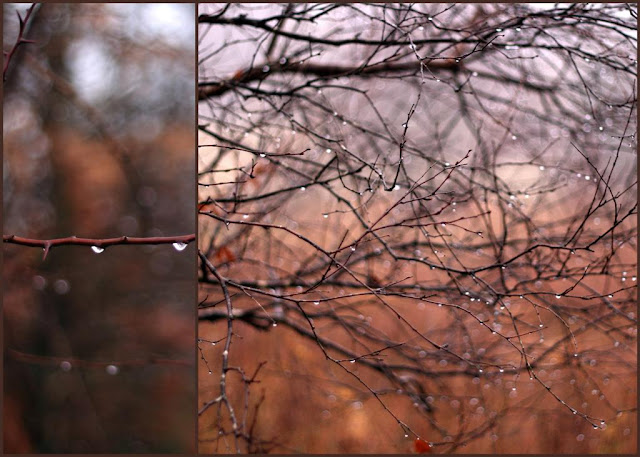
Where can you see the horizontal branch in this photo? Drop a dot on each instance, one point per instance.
(68, 362)
(262, 24)
(103, 243)
(257, 73)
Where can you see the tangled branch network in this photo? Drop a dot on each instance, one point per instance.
(438, 200)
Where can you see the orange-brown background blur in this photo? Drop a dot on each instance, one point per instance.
(308, 405)
(98, 142)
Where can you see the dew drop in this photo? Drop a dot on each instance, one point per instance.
(558, 296)
(210, 372)
(97, 249)
(421, 28)
(65, 365)
(325, 215)
(328, 150)
(112, 370)
(245, 216)
(302, 189)
(353, 248)
(352, 361)
(498, 30)
(180, 246)
(266, 69)
(275, 324)
(61, 286)
(316, 303)
(263, 155)
(213, 343)
(283, 60)
(541, 167)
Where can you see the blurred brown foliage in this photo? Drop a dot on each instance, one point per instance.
(98, 142)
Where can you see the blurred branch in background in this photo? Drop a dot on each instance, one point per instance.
(22, 23)
(98, 147)
(418, 222)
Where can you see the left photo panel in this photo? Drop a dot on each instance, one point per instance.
(99, 259)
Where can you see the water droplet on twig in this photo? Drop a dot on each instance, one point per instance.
(179, 246)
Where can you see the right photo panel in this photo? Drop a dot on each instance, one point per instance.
(417, 228)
